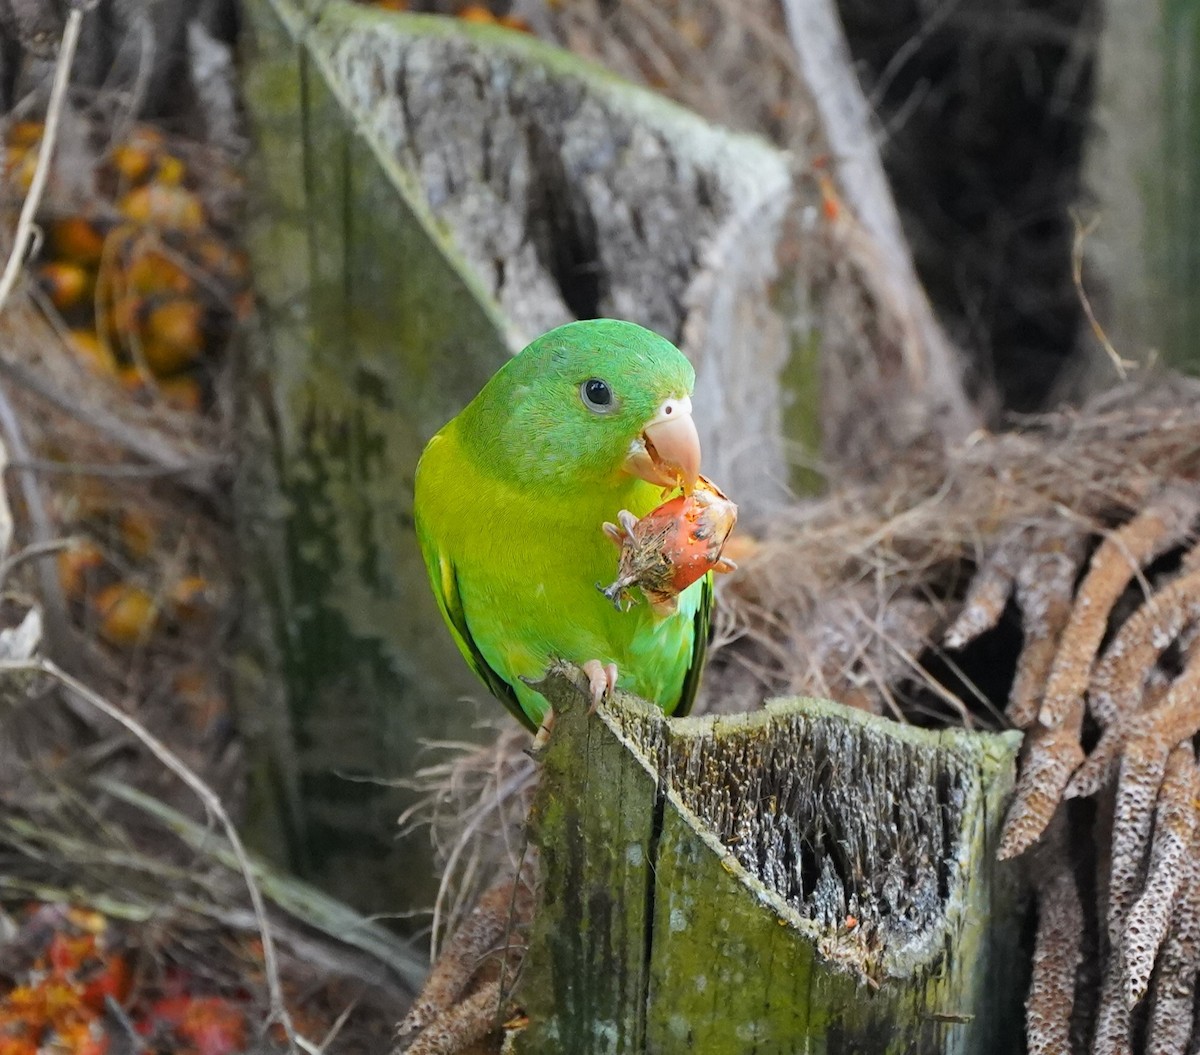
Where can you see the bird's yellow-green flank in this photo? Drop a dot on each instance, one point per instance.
(527, 576)
(511, 498)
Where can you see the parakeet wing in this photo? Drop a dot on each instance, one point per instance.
(701, 623)
(445, 589)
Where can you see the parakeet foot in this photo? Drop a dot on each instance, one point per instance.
(623, 529)
(543, 734)
(602, 679)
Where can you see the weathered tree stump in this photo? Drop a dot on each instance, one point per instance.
(806, 878)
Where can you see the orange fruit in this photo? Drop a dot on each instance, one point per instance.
(170, 170)
(155, 272)
(127, 614)
(134, 158)
(77, 567)
(221, 260)
(672, 546)
(25, 133)
(67, 284)
(182, 393)
(173, 336)
(93, 352)
(19, 163)
(163, 205)
(77, 239)
(133, 381)
(190, 598)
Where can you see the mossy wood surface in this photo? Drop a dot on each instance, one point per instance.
(1142, 179)
(427, 195)
(803, 879)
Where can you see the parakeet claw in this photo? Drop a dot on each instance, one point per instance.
(543, 734)
(621, 530)
(602, 679)
(724, 566)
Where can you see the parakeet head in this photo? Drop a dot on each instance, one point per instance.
(586, 403)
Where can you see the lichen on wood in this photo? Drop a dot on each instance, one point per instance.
(805, 874)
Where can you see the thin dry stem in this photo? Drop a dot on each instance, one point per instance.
(1082, 230)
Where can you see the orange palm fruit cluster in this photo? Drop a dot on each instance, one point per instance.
(145, 284)
(74, 990)
(126, 609)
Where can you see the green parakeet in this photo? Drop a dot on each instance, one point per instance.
(590, 419)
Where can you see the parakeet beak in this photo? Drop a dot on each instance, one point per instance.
(667, 452)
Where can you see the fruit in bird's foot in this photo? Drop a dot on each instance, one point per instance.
(671, 547)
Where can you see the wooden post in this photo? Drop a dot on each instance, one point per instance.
(806, 878)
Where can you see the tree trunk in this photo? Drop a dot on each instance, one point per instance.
(1143, 172)
(805, 878)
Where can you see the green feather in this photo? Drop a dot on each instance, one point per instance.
(510, 499)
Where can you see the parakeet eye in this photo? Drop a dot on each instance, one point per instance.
(597, 396)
